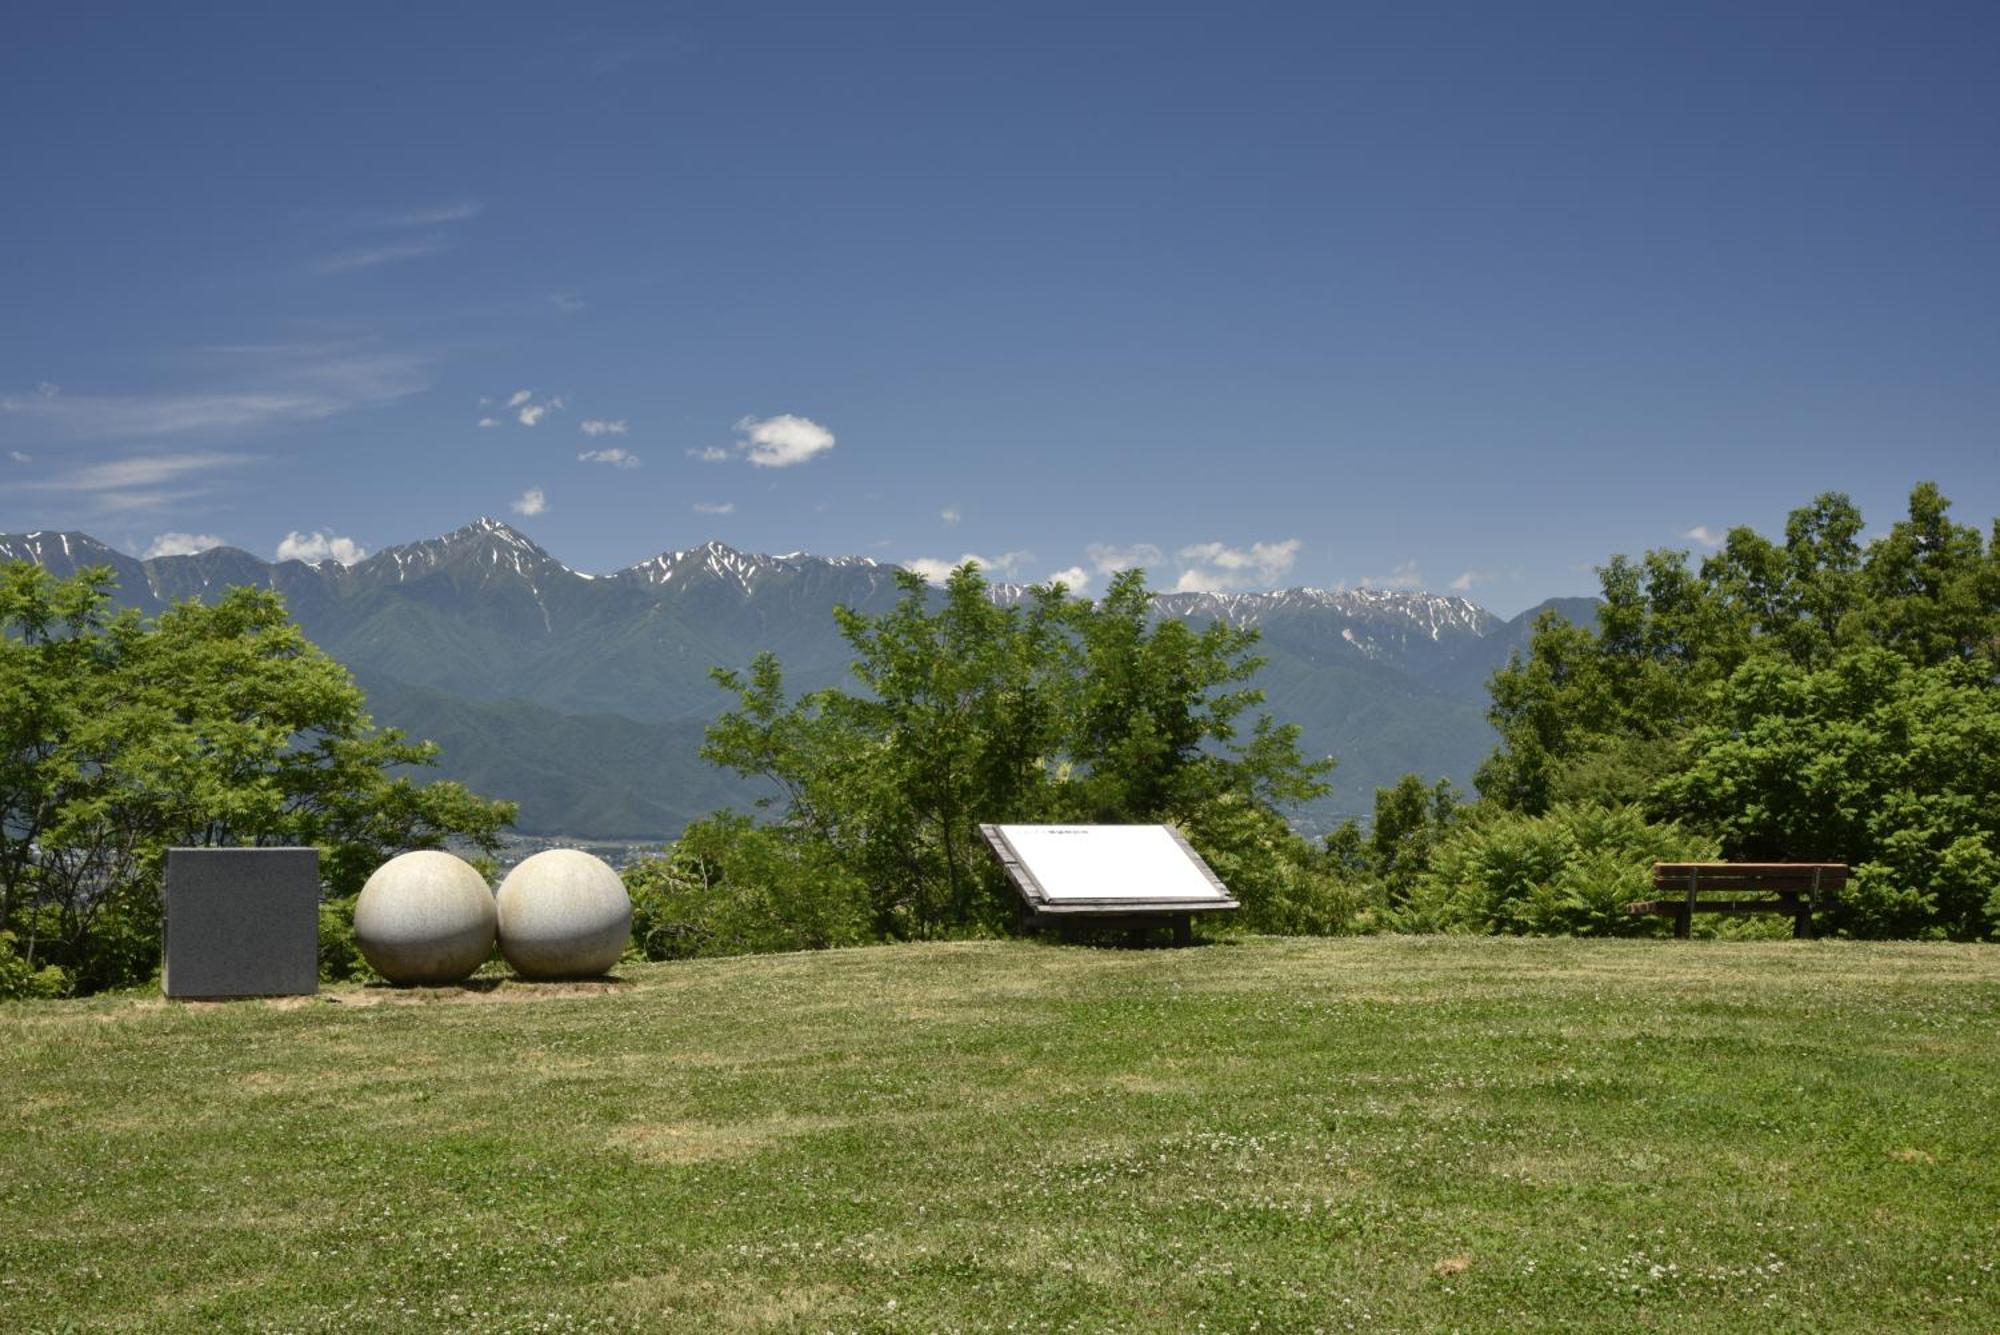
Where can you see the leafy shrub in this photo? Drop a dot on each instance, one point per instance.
(340, 958)
(1287, 886)
(1570, 872)
(729, 887)
(21, 981)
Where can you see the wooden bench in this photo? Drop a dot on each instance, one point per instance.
(1798, 889)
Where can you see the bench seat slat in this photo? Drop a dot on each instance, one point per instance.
(1749, 868)
(1716, 906)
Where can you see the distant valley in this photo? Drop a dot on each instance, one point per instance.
(585, 697)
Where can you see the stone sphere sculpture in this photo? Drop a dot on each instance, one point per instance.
(563, 914)
(425, 917)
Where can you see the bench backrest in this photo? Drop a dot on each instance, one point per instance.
(1824, 877)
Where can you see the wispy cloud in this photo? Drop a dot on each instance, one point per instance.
(1706, 536)
(489, 422)
(139, 470)
(711, 454)
(950, 515)
(1211, 566)
(1472, 579)
(283, 384)
(20, 456)
(569, 303)
(616, 457)
(437, 215)
(371, 257)
(182, 544)
(533, 501)
(715, 507)
(782, 441)
(138, 482)
(597, 426)
(312, 548)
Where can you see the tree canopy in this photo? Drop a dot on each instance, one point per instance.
(1811, 699)
(1052, 709)
(216, 724)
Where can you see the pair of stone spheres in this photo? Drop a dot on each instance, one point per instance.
(429, 917)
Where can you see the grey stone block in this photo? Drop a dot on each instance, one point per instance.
(242, 922)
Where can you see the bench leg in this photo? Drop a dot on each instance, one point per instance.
(1802, 924)
(1683, 923)
(1184, 930)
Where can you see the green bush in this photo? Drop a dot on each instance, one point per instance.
(1287, 886)
(728, 887)
(22, 981)
(1570, 872)
(339, 957)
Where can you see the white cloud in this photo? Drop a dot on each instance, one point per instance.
(1704, 535)
(1199, 581)
(19, 457)
(782, 441)
(489, 421)
(1472, 579)
(616, 457)
(715, 507)
(1109, 560)
(1076, 577)
(597, 426)
(569, 303)
(312, 548)
(936, 569)
(289, 384)
(1405, 577)
(533, 501)
(182, 544)
(950, 514)
(712, 454)
(530, 413)
(1210, 566)
(369, 257)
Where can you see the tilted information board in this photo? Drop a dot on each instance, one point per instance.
(1106, 870)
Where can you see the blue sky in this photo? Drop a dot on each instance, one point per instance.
(1421, 296)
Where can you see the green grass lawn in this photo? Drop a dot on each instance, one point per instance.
(1385, 1133)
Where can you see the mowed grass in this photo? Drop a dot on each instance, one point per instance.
(1393, 1133)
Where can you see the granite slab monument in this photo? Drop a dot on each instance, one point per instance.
(241, 922)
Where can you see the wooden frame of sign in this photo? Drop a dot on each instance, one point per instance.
(1134, 877)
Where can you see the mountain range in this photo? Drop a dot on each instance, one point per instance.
(584, 697)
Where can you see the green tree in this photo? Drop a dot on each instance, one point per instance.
(1784, 698)
(1873, 760)
(970, 711)
(1410, 818)
(214, 725)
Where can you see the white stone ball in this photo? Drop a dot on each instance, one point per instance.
(425, 917)
(563, 914)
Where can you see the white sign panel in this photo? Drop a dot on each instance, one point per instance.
(1138, 863)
